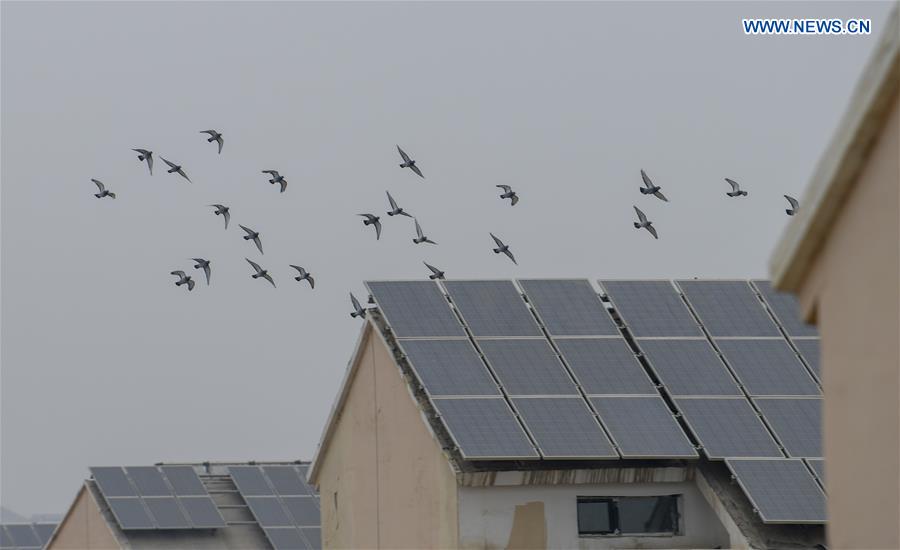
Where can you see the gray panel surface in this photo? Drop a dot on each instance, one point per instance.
(415, 309)
(643, 427)
(689, 367)
(313, 536)
(250, 481)
(605, 366)
(797, 423)
(492, 308)
(269, 512)
(484, 428)
(729, 308)
(569, 307)
(728, 427)
(303, 510)
(818, 466)
(651, 308)
(23, 534)
(767, 367)
(782, 491)
(184, 480)
(44, 531)
(286, 480)
(130, 513)
(449, 367)
(528, 367)
(148, 480)
(202, 512)
(5, 540)
(564, 427)
(166, 513)
(112, 481)
(786, 309)
(809, 350)
(286, 538)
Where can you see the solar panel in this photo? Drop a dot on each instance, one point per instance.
(415, 309)
(767, 367)
(286, 539)
(569, 307)
(528, 367)
(729, 308)
(202, 512)
(809, 350)
(728, 427)
(286, 480)
(313, 536)
(130, 513)
(796, 422)
(166, 512)
(250, 481)
(689, 367)
(492, 308)
(651, 308)
(484, 428)
(564, 427)
(112, 481)
(449, 367)
(782, 491)
(818, 466)
(149, 481)
(5, 540)
(44, 531)
(303, 510)
(643, 427)
(268, 511)
(22, 534)
(605, 366)
(786, 309)
(184, 480)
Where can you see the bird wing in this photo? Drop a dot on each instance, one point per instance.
(432, 268)
(415, 169)
(652, 231)
(511, 257)
(254, 264)
(247, 229)
(171, 165)
(178, 273)
(377, 229)
(99, 184)
(640, 215)
(183, 174)
(207, 271)
(212, 133)
(298, 268)
(514, 199)
(269, 278)
(221, 142)
(368, 217)
(149, 158)
(497, 241)
(258, 243)
(227, 215)
(403, 155)
(794, 204)
(392, 201)
(141, 151)
(506, 188)
(734, 185)
(418, 228)
(283, 183)
(647, 182)
(190, 283)
(660, 196)
(273, 173)
(354, 301)
(312, 282)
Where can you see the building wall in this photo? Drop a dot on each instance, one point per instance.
(84, 528)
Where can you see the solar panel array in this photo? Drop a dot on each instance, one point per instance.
(25, 536)
(781, 490)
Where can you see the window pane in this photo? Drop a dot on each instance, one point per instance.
(648, 514)
(594, 516)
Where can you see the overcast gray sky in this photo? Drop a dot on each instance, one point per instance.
(105, 361)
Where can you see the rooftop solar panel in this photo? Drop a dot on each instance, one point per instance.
(564, 427)
(184, 480)
(728, 427)
(818, 467)
(689, 367)
(167, 513)
(643, 427)
(148, 480)
(415, 309)
(112, 481)
(484, 428)
(286, 480)
(527, 367)
(23, 534)
(286, 538)
(786, 309)
(130, 513)
(796, 422)
(767, 367)
(5, 540)
(569, 307)
(202, 512)
(449, 367)
(782, 491)
(492, 308)
(45, 531)
(303, 510)
(809, 350)
(729, 308)
(313, 536)
(605, 366)
(269, 512)
(250, 481)
(651, 309)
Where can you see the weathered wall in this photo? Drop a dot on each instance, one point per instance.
(84, 528)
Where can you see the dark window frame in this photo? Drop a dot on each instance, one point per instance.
(614, 520)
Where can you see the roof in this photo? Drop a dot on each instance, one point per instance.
(842, 161)
(25, 536)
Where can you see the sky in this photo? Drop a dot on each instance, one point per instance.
(105, 362)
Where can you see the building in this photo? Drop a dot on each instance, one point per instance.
(841, 256)
(236, 506)
(545, 414)
(25, 536)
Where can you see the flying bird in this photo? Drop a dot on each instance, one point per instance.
(214, 136)
(103, 191)
(435, 272)
(795, 206)
(254, 236)
(175, 168)
(276, 178)
(260, 272)
(508, 193)
(304, 274)
(183, 279)
(371, 219)
(358, 310)
(644, 223)
(735, 189)
(224, 211)
(409, 163)
(395, 210)
(204, 265)
(145, 155)
(650, 189)
(420, 237)
(504, 248)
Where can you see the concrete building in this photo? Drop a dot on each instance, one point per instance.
(841, 256)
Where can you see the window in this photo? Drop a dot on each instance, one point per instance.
(657, 515)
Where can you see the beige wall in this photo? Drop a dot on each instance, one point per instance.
(84, 528)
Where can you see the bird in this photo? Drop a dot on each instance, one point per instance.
(795, 206)
(183, 279)
(145, 155)
(358, 310)
(650, 189)
(304, 274)
(214, 136)
(395, 210)
(644, 223)
(103, 191)
(260, 272)
(735, 189)
(435, 272)
(371, 219)
(421, 238)
(504, 248)
(204, 265)
(223, 210)
(276, 178)
(254, 236)
(409, 163)
(508, 193)
(175, 168)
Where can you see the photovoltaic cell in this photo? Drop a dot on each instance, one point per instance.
(313, 536)
(130, 513)
(786, 309)
(796, 422)
(184, 480)
(818, 466)
(689, 367)
(564, 427)
(527, 367)
(44, 531)
(767, 367)
(23, 535)
(286, 480)
(651, 308)
(605, 366)
(569, 307)
(286, 539)
(5, 539)
(250, 481)
(729, 308)
(202, 512)
(484, 428)
(643, 427)
(303, 510)
(782, 491)
(809, 350)
(415, 309)
(167, 513)
(728, 427)
(492, 308)
(149, 481)
(268, 511)
(112, 481)
(449, 367)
